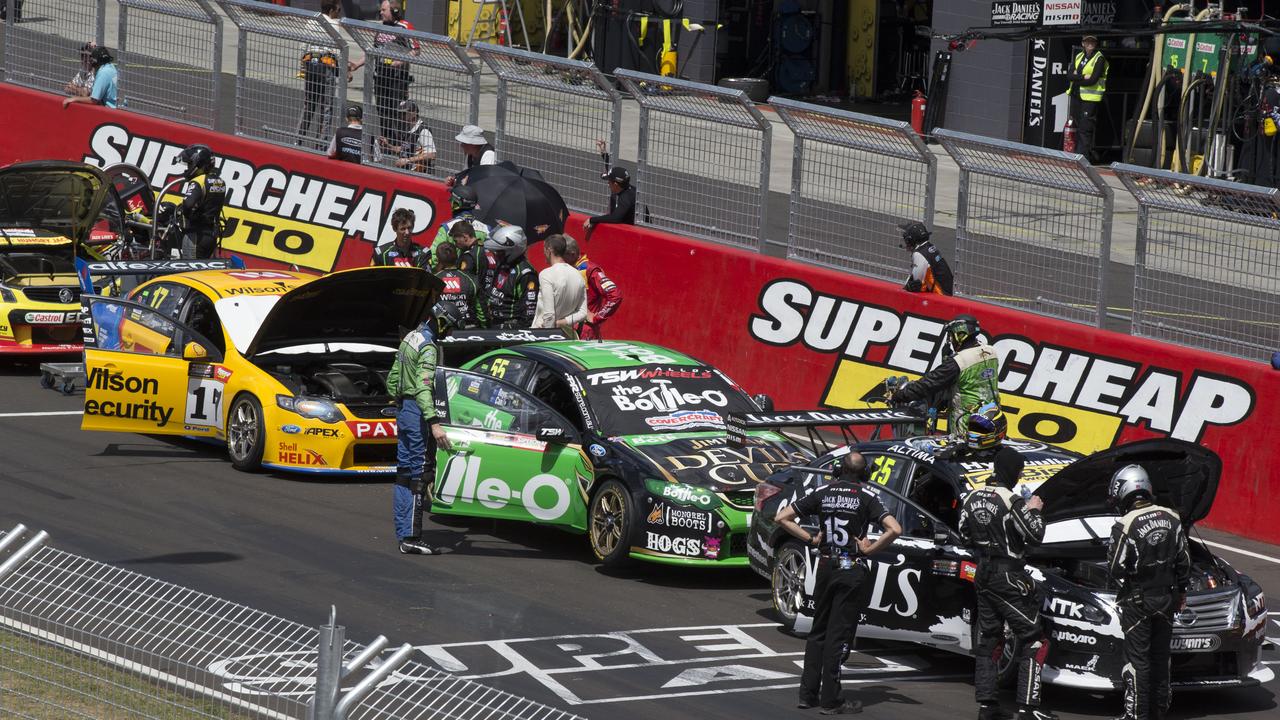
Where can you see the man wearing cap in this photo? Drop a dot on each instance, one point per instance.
(105, 90)
(417, 149)
(1088, 78)
(622, 201)
(348, 142)
(930, 272)
(476, 148)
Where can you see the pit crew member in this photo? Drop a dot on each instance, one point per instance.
(403, 250)
(970, 375)
(512, 293)
(459, 288)
(201, 208)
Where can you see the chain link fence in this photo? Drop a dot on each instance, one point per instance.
(1033, 228)
(1207, 267)
(550, 114)
(439, 84)
(171, 58)
(854, 179)
(703, 159)
(291, 74)
(43, 51)
(79, 638)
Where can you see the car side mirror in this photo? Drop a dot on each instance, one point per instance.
(941, 537)
(194, 351)
(552, 435)
(762, 401)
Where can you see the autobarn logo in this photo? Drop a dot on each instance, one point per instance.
(1074, 638)
(1196, 643)
(681, 518)
(1055, 394)
(271, 213)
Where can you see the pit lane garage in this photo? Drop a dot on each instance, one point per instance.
(922, 589)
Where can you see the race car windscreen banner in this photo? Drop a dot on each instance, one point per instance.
(659, 398)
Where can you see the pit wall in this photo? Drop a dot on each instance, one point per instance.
(808, 337)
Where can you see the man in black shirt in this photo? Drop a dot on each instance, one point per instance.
(348, 142)
(622, 201)
(845, 509)
(203, 196)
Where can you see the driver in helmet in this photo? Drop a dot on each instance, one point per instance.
(512, 293)
(969, 376)
(986, 428)
(203, 194)
(1151, 566)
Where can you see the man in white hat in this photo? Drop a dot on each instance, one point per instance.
(477, 150)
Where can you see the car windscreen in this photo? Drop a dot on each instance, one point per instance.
(661, 398)
(28, 263)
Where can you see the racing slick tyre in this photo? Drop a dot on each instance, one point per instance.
(246, 433)
(786, 580)
(611, 523)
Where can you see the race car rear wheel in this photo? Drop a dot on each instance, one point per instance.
(246, 433)
(611, 523)
(787, 582)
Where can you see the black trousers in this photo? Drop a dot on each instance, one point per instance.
(840, 597)
(1006, 594)
(315, 127)
(390, 88)
(1085, 115)
(1148, 634)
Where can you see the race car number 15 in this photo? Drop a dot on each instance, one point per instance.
(204, 402)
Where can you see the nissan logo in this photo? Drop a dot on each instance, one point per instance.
(65, 295)
(1185, 617)
(388, 412)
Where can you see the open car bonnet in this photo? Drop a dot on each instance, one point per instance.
(39, 199)
(1184, 476)
(369, 305)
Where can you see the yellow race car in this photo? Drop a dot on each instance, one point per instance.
(289, 370)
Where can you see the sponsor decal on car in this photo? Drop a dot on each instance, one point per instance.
(663, 396)
(1074, 638)
(685, 419)
(101, 379)
(290, 429)
(544, 496)
(697, 459)
(684, 495)
(711, 547)
(611, 377)
(664, 515)
(1088, 667)
(260, 275)
(290, 454)
(366, 429)
(50, 318)
(1061, 607)
(598, 450)
(686, 547)
(1195, 643)
(324, 432)
(623, 351)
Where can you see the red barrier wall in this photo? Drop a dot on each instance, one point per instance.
(807, 336)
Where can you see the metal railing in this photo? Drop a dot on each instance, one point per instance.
(854, 179)
(550, 113)
(703, 160)
(79, 638)
(291, 74)
(1033, 227)
(1207, 266)
(43, 51)
(171, 58)
(439, 81)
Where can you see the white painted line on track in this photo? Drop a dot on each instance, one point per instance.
(1239, 551)
(42, 414)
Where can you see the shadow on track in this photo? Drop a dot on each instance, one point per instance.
(183, 558)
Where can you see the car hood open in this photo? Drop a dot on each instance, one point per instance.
(708, 459)
(57, 196)
(371, 305)
(1184, 476)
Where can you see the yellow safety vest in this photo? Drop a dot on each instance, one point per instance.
(1091, 93)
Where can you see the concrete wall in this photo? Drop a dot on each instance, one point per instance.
(987, 80)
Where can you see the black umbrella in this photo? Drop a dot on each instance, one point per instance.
(517, 196)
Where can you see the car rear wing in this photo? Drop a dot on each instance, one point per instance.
(93, 272)
(463, 345)
(738, 424)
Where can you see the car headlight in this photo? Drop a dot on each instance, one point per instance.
(6, 295)
(309, 407)
(1093, 614)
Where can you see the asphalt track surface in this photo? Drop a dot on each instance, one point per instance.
(692, 645)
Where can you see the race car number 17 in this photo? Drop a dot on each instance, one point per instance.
(204, 402)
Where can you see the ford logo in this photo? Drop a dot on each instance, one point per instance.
(290, 429)
(388, 412)
(65, 295)
(1185, 617)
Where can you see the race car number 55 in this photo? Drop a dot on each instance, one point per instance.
(204, 402)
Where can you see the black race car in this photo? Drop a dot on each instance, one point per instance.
(922, 586)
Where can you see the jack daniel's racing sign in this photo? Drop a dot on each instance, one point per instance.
(1010, 12)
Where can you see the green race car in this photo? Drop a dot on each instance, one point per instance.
(622, 441)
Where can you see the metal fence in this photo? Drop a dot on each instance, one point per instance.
(550, 114)
(434, 74)
(854, 179)
(1033, 227)
(291, 79)
(171, 58)
(703, 157)
(1207, 266)
(79, 638)
(43, 51)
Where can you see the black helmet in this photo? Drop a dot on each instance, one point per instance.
(1007, 467)
(197, 157)
(463, 197)
(355, 111)
(960, 331)
(913, 233)
(100, 56)
(447, 318)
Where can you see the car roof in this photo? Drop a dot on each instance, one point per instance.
(1042, 461)
(227, 283)
(578, 355)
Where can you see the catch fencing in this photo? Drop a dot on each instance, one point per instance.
(703, 159)
(79, 638)
(1033, 228)
(171, 59)
(434, 74)
(291, 74)
(854, 180)
(43, 51)
(1207, 266)
(550, 114)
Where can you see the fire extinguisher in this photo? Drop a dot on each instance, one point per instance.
(918, 104)
(1069, 136)
(502, 26)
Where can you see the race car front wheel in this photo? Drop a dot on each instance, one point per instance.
(787, 581)
(611, 523)
(246, 434)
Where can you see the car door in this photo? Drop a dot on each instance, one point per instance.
(136, 376)
(512, 456)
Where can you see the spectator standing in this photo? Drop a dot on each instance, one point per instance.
(622, 201)
(475, 148)
(320, 76)
(204, 194)
(460, 289)
(403, 251)
(417, 148)
(82, 84)
(1088, 78)
(391, 78)
(347, 144)
(603, 296)
(930, 272)
(510, 283)
(562, 292)
(845, 509)
(105, 90)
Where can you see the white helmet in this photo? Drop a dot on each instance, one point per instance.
(1127, 481)
(507, 242)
